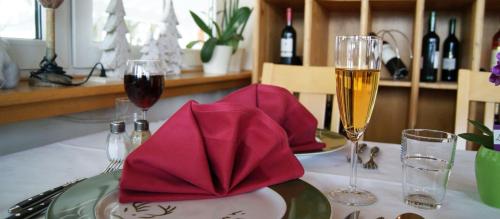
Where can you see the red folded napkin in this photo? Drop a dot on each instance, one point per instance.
(299, 124)
(208, 151)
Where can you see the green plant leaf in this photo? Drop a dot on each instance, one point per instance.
(208, 49)
(201, 24)
(228, 34)
(484, 140)
(217, 27)
(482, 128)
(192, 43)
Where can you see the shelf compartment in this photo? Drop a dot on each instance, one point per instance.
(327, 21)
(270, 22)
(401, 20)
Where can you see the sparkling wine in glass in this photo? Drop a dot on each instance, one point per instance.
(144, 82)
(357, 70)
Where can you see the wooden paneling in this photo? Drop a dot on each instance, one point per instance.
(389, 115)
(24, 102)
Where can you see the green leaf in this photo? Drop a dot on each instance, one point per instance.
(219, 33)
(228, 34)
(483, 140)
(192, 43)
(201, 24)
(208, 49)
(482, 128)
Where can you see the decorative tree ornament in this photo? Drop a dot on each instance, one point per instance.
(115, 47)
(150, 50)
(169, 48)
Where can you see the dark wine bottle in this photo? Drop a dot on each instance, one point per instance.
(430, 52)
(288, 41)
(392, 62)
(449, 70)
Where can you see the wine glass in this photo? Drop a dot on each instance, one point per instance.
(144, 82)
(357, 70)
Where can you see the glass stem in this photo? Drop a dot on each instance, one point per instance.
(354, 166)
(144, 114)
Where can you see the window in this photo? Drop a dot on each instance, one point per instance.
(144, 18)
(18, 19)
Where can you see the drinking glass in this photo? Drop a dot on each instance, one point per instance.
(357, 70)
(427, 157)
(144, 81)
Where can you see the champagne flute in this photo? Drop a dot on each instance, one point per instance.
(144, 82)
(357, 70)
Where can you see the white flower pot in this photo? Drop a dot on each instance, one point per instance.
(219, 63)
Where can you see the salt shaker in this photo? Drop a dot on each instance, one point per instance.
(140, 134)
(118, 141)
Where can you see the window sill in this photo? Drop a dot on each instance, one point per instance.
(25, 102)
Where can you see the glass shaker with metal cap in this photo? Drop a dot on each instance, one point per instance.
(140, 134)
(118, 141)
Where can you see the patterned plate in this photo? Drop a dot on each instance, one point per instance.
(95, 198)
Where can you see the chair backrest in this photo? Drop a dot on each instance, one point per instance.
(474, 86)
(313, 85)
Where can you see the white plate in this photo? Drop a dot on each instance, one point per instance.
(263, 203)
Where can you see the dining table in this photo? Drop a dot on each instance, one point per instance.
(29, 172)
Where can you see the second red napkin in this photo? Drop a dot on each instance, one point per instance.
(208, 151)
(299, 124)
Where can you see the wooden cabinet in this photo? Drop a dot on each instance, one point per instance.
(400, 104)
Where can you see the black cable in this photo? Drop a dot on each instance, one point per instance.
(33, 74)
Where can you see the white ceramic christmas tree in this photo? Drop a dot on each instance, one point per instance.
(115, 47)
(169, 49)
(150, 50)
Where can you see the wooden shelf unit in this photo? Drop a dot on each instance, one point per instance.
(400, 104)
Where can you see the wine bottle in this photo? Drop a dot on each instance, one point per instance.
(495, 49)
(392, 62)
(430, 52)
(449, 70)
(288, 41)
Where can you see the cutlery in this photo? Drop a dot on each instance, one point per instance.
(34, 210)
(40, 197)
(40, 202)
(353, 215)
(371, 163)
(361, 147)
(409, 215)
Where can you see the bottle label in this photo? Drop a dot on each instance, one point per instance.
(494, 53)
(449, 63)
(496, 137)
(286, 47)
(436, 59)
(387, 53)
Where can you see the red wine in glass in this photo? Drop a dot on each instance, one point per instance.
(143, 82)
(144, 90)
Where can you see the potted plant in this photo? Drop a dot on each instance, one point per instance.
(223, 37)
(488, 156)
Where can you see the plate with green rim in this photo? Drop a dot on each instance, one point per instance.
(333, 142)
(97, 196)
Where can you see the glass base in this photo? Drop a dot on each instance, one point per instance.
(355, 197)
(422, 201)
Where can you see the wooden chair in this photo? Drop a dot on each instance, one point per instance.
(474, 86)
(313, 85)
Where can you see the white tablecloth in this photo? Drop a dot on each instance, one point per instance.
(29, 172)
